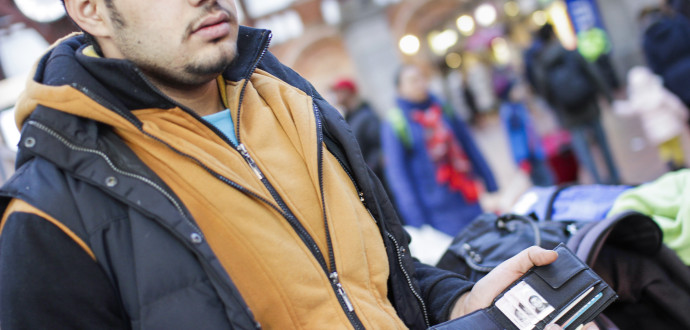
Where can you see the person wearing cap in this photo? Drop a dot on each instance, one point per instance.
(363, 121)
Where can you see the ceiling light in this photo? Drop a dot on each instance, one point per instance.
(409, 44)
(42, 11)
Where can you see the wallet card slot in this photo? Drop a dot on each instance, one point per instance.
(608, 297)
(572, 310)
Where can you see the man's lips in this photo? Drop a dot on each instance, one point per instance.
(213, 26)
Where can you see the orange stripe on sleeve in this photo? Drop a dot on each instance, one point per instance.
(18, 205)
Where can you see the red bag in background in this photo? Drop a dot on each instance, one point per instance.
(560, 156)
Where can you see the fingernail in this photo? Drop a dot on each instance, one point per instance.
(552, 327)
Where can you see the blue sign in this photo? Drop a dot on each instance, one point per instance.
(592, 39)
(584, 15)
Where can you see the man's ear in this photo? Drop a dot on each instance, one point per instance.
(90, 15)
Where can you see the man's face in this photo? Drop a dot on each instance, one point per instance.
(180, 42)
(413, 84)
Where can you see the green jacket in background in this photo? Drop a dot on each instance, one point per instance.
(667, 201)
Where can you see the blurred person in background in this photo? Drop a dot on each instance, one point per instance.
(363, 121)
(525, 144)
(572, 88)
(680, 6)
(666, 45)
(433, 166)
(661, 112)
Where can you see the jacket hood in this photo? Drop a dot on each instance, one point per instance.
(68, 75)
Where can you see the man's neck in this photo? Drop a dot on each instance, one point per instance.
(203, 99)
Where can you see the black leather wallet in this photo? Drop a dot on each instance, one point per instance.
(566, 292)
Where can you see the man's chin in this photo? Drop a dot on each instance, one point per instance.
(210, 68)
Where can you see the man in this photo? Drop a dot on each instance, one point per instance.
(365, 124)
(130, 208)
(572, 86)
(432, 161)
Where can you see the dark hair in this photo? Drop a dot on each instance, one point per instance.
(545, 33)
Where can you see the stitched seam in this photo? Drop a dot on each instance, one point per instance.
(20, 206)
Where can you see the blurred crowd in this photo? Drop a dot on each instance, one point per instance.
(424, 149)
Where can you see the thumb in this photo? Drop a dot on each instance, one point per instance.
(519, 264)
(501, 277)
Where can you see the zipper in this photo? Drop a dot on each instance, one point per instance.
(244, 86)
(282, 208)
(397, 248)
(335, 279)
(395, 242)
(243, 151)
(341, 291)
(409, 280)
(352, 178)
(110, 163)
(148, 182)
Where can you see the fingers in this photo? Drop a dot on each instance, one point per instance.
(591, 326)
(486, 289)
(540, 257)
(528, 258)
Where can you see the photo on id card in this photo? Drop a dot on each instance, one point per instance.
(524, 306)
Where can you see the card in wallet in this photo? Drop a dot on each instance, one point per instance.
(565, 292)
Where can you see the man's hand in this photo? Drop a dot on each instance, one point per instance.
(496, 281)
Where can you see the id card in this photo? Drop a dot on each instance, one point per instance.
(524, 306)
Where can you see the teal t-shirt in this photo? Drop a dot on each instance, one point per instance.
(222, 120)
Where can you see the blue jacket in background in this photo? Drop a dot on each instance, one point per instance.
(525, 144)
(411, 174)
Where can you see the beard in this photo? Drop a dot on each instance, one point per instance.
(192, 74)
(159, 65)
(211, 67)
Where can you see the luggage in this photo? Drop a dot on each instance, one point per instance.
(569, 202)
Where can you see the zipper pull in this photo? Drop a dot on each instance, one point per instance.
(341, 291)
(243, 151)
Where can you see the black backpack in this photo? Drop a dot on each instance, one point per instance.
(568, 82)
